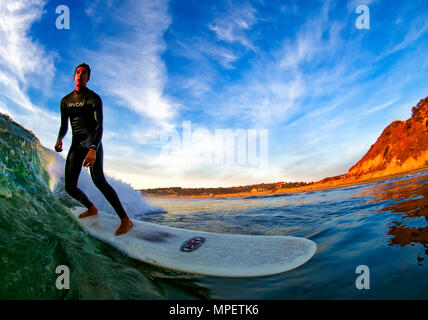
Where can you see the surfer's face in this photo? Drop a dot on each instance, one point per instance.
(81, 77)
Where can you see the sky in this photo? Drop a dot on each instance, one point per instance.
(219, 93)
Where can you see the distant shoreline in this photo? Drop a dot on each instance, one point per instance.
(303, 189)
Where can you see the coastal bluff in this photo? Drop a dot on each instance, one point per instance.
(402, 147)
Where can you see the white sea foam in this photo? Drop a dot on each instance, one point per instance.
(133, 201)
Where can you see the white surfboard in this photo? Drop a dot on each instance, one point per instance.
(199, 252)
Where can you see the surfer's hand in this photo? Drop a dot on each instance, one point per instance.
(58, 145)
(90, 158)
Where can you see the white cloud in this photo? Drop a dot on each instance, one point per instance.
(18, 53)
(418, 28)
(382, 106)
(222, 55)
(196, 158)
(275, 86)
(311, 43)
(232, 26)
(25, 64)
(129, 65)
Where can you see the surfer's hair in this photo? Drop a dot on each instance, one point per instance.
(86, 66)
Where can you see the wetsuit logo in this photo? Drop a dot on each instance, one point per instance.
(75, 104)
(192, 244)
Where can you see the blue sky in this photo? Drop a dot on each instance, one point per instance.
(323, 89)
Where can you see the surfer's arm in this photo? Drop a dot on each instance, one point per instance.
(63, 128)
(96, 137)
(98, 116)
(64, 122)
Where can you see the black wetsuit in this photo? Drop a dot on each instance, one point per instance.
(84, 109)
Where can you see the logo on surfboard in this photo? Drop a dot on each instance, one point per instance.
(192, 244)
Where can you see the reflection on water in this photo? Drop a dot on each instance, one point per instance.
(411, 207)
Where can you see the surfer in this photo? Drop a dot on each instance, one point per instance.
(84, 109)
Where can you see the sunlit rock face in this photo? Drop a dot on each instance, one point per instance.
(401, 147)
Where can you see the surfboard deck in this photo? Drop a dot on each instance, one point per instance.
(200, 252)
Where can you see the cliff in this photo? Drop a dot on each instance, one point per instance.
(402, 147)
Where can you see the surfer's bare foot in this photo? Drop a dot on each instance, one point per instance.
(90, 212)
(125, 225)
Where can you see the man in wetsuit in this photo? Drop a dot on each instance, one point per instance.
(84, 109)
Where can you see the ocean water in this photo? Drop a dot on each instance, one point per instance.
(382, 225)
